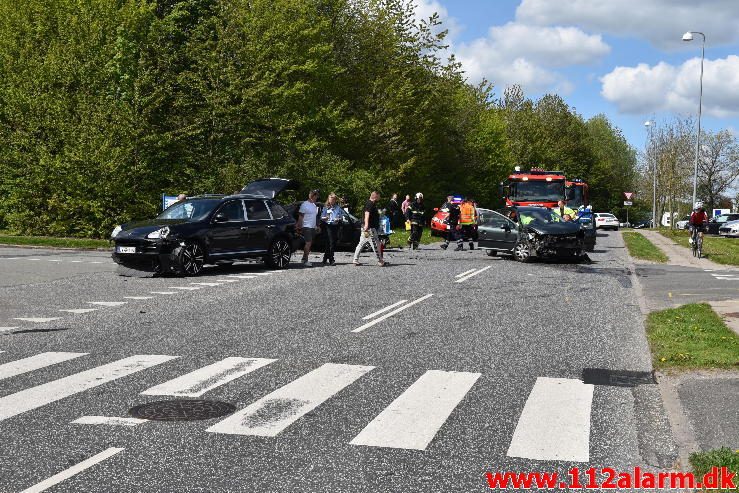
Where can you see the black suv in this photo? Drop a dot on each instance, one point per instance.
(211, 229)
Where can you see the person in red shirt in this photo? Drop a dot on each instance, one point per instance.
(698, 220)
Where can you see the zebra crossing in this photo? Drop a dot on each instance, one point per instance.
(554, 423)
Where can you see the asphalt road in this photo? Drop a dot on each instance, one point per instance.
(479, 370)
(668, 286)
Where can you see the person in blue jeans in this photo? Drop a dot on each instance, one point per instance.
(331, 215)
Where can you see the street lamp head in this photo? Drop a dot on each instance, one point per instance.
(688, 36)
(647, 123)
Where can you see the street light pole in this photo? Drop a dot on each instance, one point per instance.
(649, 124)
(688, 36)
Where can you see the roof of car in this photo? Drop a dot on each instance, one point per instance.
(233, 196)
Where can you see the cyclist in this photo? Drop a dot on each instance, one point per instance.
(698, 221)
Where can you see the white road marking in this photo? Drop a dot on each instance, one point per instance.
(162, 292)
(96, 262)
(465, 273)
(139, 297)
(5, 329)
(274, 412)
(227, 280)
(34, 259)
(206, 283)
(52, 260)
(35, 362)
(76, 261)
(388, 315)
(72, 471)
(413, 419)
(109, 420)
(185, 288)
(37, 320)
(379, 312)
(107, 303)
(242, 277)
(555, 422)
(79, 310)
(41, 395)
(198, 382)
(13, 258)
(463, 279)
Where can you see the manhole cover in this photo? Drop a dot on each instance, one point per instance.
(181, 410)
(617, 378)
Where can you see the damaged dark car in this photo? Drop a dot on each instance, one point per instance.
(210, 229)
(530, 232)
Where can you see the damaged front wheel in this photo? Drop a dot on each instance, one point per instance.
(522, 251)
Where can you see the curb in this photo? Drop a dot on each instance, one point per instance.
(44, 247)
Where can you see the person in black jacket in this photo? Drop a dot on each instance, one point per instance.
(452, 221)
(394, 214)
(415, 214)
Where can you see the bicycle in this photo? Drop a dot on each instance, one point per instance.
(697, 242)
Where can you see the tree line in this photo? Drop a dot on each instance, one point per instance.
(107, 104)
(671, 154)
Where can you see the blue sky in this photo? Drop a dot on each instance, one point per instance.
(623, 58)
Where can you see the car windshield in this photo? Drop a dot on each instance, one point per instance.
(544, 191)
(538, 216)
(578, 198)
(191, 210)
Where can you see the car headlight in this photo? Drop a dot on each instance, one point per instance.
(115, 232)
(159, 233)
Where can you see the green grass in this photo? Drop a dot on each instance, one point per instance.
(702, 462)
(640, 247)
(49, 241)
(692, 336)
(400, 238)
(718, 249)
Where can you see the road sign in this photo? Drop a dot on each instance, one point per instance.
(628, 202)
(628, 195)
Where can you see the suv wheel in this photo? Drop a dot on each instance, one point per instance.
(492, 253)
(522, 251)
(278, 256)
(190, 259)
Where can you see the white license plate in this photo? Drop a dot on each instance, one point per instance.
(122, 249)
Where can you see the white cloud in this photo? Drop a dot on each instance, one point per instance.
(663, 22)
(664, 87)
(520, 54)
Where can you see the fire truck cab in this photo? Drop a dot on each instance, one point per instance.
(578, 193)
(536, 187)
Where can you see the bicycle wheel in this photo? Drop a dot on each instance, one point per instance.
(694, 246)
(700, 247)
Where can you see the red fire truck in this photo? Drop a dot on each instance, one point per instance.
(536, 187)
(578, 193)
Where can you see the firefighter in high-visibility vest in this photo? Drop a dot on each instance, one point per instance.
(467, 223)
(562, 210)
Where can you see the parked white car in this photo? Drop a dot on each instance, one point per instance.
(606, 220)
(729, 229)
(683, 223)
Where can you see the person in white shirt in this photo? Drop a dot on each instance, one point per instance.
(306, 224)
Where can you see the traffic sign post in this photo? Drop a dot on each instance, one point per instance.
(627, 204)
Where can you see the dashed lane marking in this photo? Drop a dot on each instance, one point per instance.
(555, 422)
(465, 272)
(390, 314)
(107, 303)
(109, 420)
(206, 283)
(383, 310)
(41, 395)
(185, 288)
(37, 320)
(72, 471)
(162, 292)
(413, 419)
(35, 362)
(242, 277)
(139, 297)
(473, 274)
(276, 411)
(202, 380)
(79, 310)
(6, 329)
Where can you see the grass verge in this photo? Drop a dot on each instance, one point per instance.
(640, 247)
(692, 336)
(717, 248)
(399, 239)
(49, 241)
(702, 463)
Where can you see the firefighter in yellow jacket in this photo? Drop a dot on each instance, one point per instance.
(467, 223)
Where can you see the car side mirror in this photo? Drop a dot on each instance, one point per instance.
(220, 218)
